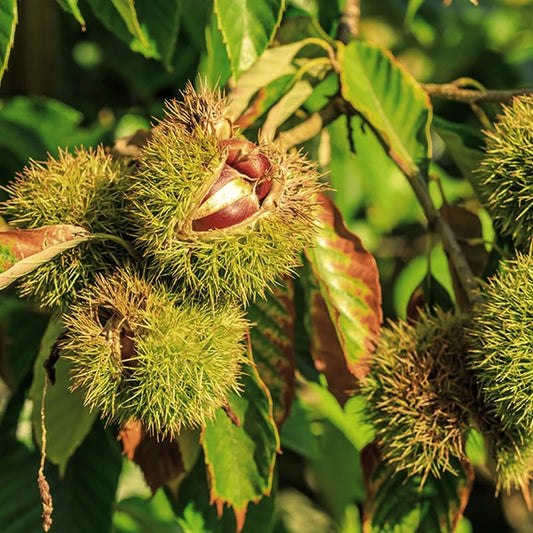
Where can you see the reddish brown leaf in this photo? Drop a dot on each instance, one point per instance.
(272, 342)
(161, 460)
(348, 281)
(325, 346)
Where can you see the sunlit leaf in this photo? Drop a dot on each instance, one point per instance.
(348, 280)
(273, 346)
(247, 28)
(290, 102)
(24, 250)
(67, 420)
(390, 100)
(149, 27)
(8, 23)
(324, 343)
(71, 6)
(240, 448)
(397, 504)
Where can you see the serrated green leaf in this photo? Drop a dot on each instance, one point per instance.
(247, 28)
(216, 65)
(390, 100)
(397, 504)
(126, 9)
(273, 346)
(71, 6)
(8, 23)
(82, 498)
(240, 454)
(349, 284)
(149, 27)
(67, 420)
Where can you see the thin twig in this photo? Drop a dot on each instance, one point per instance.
(44, 487)
(451, 91)
(349, 21)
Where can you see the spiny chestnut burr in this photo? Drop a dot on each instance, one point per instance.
(140, 352)
(220, 215)
(83, 188)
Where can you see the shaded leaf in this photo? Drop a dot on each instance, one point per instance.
(466, 227)
(390, 100)
(71, 6)
(240, 454)
(152, 515)
(196, 514)
(464, 145)
(83, 498)
(272, 342)
(8, 23)
(162, 460)
(247, 28)
(24, 250)
(398, 504)
(149, 27)
(67, 420)
(349, 284)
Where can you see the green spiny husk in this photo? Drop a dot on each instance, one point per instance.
(510, 456)
(419, 393)
(139, 352)
(505, 180)
(175, 170)
(86, 189)
(502, 353)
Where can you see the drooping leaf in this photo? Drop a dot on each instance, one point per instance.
(247, 28)
(240, 449)
(83, 498)
(390, 100)
(273, 346)
(216, 65)
(24, 250)
(8, 23)
(149, 27)
(464, 145)
(325, 346)
(397, 504)
(162, 461)
(349, 284)
(67, 420)
(290, 102)
(71, 6)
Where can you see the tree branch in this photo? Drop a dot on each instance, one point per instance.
(349, 21)
(451, 91)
